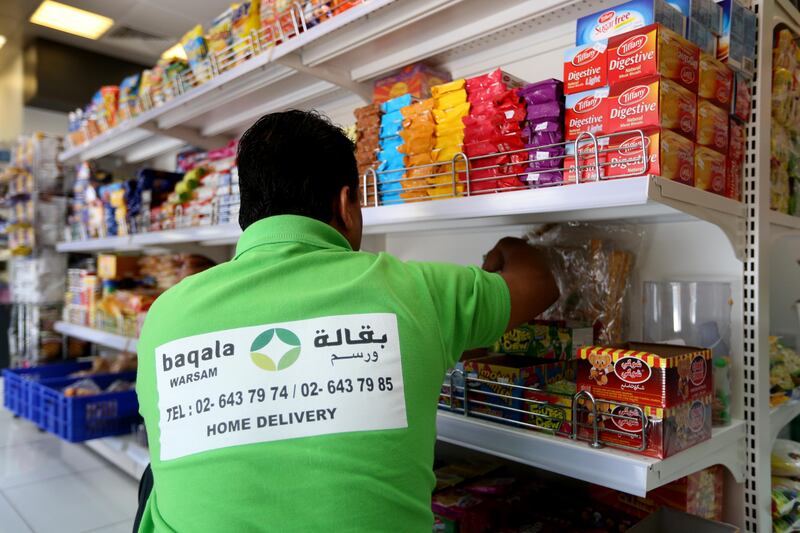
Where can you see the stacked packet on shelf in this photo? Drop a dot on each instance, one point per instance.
(391, 161)
(543, 129)
(494, 127)
(368, 129)
(419, 138)
(450, 107)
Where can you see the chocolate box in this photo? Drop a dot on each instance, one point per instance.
(669, 430)
(653, 51)
(585, 67)
(669, 155)
(658, 375)
(651, 103)
(545, 339)
(510, 370)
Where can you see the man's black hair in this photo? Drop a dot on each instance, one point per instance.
(294, 163)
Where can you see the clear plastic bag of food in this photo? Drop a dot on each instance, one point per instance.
(786, 459)
(84, 387)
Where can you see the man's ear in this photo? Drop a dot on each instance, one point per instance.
(345, 208)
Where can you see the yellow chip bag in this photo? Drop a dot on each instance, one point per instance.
(455, 85)
(455, 113)
(451, 99)
(453, 139)
(244, 25)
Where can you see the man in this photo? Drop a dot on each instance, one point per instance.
(294, 388)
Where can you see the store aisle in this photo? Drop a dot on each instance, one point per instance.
(48, 485)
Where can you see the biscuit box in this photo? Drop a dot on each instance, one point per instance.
(585, 67)
(669, 430)
(716, 81)
(669, 155)
(706, 12)
(737, 46)
(709, 170)
(505, 370)
(585, 111)
(699, 494)
(589, 166)
(626, 17)
(658, 375)
(712, 126)
(698, 34)
(651, 103)
(653, 51)
(736, 141)
(742, 98)
(733, 179)
(545, 339)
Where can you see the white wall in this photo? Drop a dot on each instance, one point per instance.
(36, 119)
(11, 96)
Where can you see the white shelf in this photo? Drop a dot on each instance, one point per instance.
(782, 415)
(783, 226)
(626, 472)
(124, 452)
(640, 199)
(103, 338)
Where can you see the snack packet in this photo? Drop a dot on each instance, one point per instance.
(194, 45)
(244, 23)
(219, 36)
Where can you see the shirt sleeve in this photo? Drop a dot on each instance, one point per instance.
(473, 306)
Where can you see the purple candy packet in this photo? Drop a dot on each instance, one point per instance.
(545, 110)
(543, 91)
(545, 179)
(546, 158)
(544, 138)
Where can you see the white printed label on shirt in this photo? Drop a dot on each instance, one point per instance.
(279, 381)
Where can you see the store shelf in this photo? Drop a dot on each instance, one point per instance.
(103, 338)
(626, 472)
(639, 199)
(783, 226)
(782, 415)
(124, 452)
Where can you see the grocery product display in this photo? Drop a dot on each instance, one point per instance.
(783, 163)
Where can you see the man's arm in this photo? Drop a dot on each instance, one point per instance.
(526, 272)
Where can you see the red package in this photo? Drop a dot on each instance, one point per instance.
(733, 179)
(585, 112)
(652, 103)
(586, 160)
(742, 98)
(669, 155)
(736, 141)
(494, 77)
(585, 68)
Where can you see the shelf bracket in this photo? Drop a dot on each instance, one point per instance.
(190, 136)
(332, 75)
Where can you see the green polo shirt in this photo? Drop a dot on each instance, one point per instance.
(294, 388)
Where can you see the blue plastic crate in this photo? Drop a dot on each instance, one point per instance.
(17, 389)
(81, 418)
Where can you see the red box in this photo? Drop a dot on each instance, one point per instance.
(651, 103)
(653, 51)
(716, 81)
(586, 159)
(742, 98)
(733, 179)
(585, 111)
(658, 375)
(699, 494)
(669, 429)
(709, 170)
(712, 126)
(669, 155)
(585, 68)
(737, 141)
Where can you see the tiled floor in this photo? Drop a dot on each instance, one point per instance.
(48, 485)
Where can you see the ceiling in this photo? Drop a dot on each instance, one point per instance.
(149, 26)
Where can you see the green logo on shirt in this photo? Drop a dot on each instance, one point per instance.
(266, 343)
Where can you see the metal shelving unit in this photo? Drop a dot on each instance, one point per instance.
(327, 67)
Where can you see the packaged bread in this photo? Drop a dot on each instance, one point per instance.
(712, 125)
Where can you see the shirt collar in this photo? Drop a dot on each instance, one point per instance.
(290, 228)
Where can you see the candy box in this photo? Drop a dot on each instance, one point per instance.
(650, 51)
(658, 375)
(699, 494)
(709, 170)
(505, 370)
(669, 430)
(716, 81)
(545, 339)
(669, 155)
(736, 45)
(555, 413)
(626, 17)
(415, 80)
(585, 111)
(742, 97)
(585, 67)
(651, 103)
(712, 125)
(705, 12)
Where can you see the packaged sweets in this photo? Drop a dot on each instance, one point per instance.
(712, 125)
(194, 45)
(626, 17)
(651, 103)
(709, 170)
(545, 339)
(700, 494)
(702, 37)
(129, 97)
(669, 430)
(585, 67)
(742, 98)
(245, 21)
(585, 112)
(270, 31)
(705, 12)
(556, 413)
(669, 155)
(219, 36)
(737, 46)
(592, 164)
(659, 375)
(716, 81)
(786, 459)
(734, 172)
(415, 80)
(650, 51)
